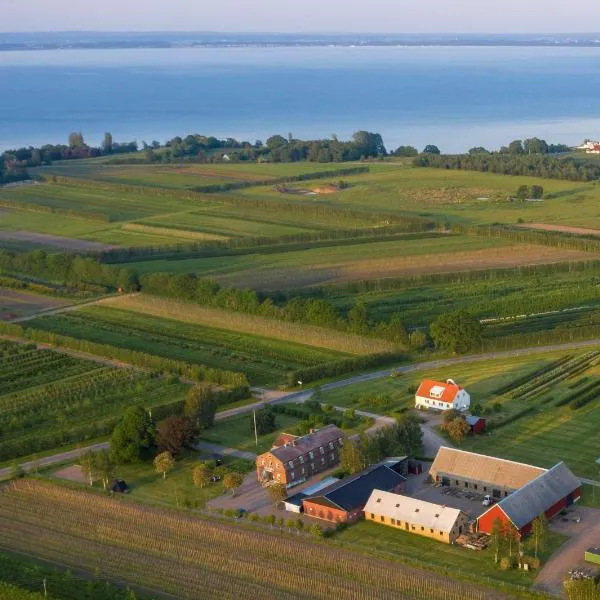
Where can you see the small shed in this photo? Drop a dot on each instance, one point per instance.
(592, 555)
(477, 424)
(294, 503)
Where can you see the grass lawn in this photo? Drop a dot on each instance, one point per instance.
(479, 379)
(178, 489)
(237, 432)
(381, 540)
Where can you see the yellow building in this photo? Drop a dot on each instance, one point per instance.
(434, 521)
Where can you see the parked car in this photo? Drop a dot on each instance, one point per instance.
(487, 500)
(217, 458)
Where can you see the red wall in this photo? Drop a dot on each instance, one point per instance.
(479, 427)
(318, 511)
(485, 523)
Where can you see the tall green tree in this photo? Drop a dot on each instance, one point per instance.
(134, 436)
(232, 481)
(201, 406)
(104, 467)
(352, 458)
(107, 143)
(431, 149)
(539, 533)
(456, 332)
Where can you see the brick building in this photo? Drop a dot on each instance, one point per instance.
(343, 502)
(299, 459)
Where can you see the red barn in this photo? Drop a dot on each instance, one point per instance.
(547, 494)
(477, 424)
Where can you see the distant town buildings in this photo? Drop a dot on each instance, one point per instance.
(590, 147)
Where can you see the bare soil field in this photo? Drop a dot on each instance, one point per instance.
(53, 241)
(561, 228)
(14, 303)
(72, 473)
(488, 258)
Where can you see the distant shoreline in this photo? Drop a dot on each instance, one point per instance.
(123, 40)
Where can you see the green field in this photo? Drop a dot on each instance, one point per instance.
(50, 399)
(380, 540)
(264, 360)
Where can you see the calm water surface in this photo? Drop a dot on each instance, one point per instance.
(453, 97)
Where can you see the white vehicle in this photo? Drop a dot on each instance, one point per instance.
(487, 500)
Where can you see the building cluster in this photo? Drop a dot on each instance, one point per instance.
(514, 494)
(590, 147)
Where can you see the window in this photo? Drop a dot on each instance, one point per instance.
(378, 500)
(332, 457)
(422, 528)
(301, 459)
(382, 518)
(393, 521)
(466, 484)
(322, 450)
(372, 516)
(475, 486)
(441, 533)
(322, 461)
(311, 455)
(484, 489)
(331, 445)
(413, 527)
(292, 475)
(303, 470)
(456, 482)
(291, 464)
(341, 441)
(397, 506)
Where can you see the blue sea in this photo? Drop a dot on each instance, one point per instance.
(455, 98)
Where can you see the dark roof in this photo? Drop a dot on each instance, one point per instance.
(307, 443)
(296, 499)
(540, 494)
(353, 492)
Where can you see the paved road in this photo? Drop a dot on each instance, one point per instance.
(216, 449)
(570, 555)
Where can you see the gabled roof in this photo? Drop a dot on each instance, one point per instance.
(413, 511)
(283, 439)
(437, 390)
(478, 467)
(540, 494)
(308, 443)
(353, 492)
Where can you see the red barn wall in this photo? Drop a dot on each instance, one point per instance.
(485, 523)
(318, 511)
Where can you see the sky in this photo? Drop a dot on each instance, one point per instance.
(373, 16)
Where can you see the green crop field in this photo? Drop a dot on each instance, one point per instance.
(264, 360)
(50, 399)
(192, 557)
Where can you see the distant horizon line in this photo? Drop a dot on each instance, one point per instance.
(306, 32)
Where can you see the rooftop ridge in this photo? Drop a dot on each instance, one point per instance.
(506, 460)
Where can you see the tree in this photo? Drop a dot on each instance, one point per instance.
(368, 143)
(536, 191)
(523, 192)
(201, 475)
(516, 147)
(352, 458)
(496, 539)
(104, 467)
(276, 141)
(539, 532)
(409, 151)
(265, 420)
(431, 149)
(133, 438)
(164, 462)
(277, 492)
(478, 150)
(76, 140)
(201, 406)
(107, 143)
(456, 332)
(535, 146)
(417, 340)
(232, 481)
(175, 433)
(87, 462)
(458, 428)
(450, 415)
(357, 318)
(299, 525)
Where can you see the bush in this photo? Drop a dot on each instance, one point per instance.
(505, 563)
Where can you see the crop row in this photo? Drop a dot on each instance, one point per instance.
(582, 396)
(197, 558)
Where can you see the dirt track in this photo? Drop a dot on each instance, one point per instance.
(53, 241)
(561, 228)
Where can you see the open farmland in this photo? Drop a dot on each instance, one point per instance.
(334, 265)
(49, 399)
(183, 175)
(195, 558)
(17, 303)
(264, 359)
(309, 335)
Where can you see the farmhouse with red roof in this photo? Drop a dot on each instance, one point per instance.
(442, 396)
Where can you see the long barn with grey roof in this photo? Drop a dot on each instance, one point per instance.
(548, 494)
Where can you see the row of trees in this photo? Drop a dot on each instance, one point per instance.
(535, 165)
(529, 146)
(30, 156)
